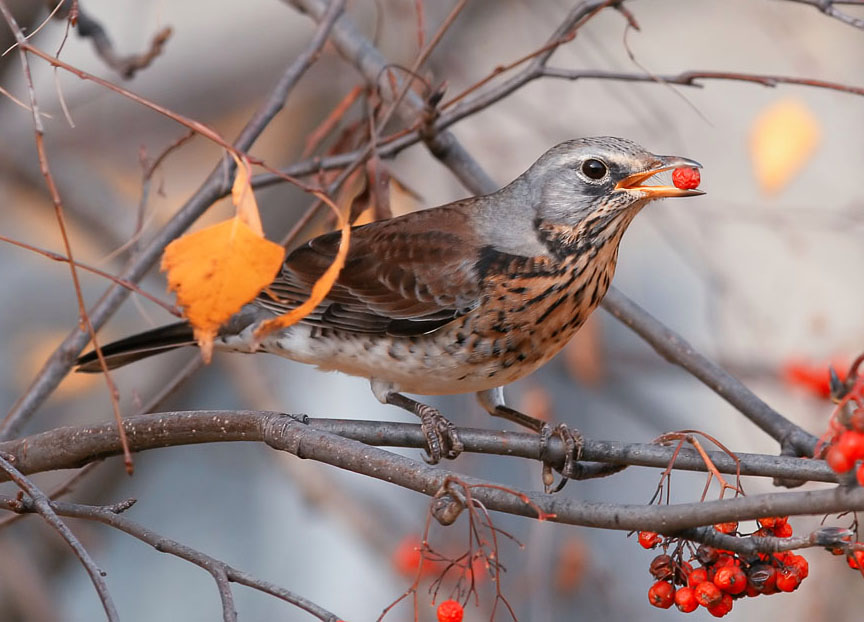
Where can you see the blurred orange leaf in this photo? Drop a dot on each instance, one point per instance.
(216, 271)
(783, 139)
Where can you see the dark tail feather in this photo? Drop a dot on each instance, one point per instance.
(138, 347)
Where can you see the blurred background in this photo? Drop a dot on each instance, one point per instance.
(762, 274)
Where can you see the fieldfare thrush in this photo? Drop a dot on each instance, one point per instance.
(465, 297)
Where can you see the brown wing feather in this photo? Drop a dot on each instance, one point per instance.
(409, 275)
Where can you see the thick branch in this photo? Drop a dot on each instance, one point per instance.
(70, 447)
(675, 349)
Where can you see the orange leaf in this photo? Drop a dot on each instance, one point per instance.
(783, 139)
(319, 290)
(243, 197)
(216, 271)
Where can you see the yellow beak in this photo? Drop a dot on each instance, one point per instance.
(664, 163)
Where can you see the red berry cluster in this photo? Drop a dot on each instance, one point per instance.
(846, 441)
(714, 578)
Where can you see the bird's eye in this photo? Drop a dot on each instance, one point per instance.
(594, 169)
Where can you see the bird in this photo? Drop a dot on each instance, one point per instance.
(464, 297)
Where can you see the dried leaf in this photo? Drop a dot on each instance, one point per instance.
(216, 271)
(244, 198)
(783, 139)
(319, 290)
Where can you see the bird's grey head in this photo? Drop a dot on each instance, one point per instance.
(598, 176)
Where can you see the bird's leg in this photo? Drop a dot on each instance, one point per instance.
(442, 439)
(492, 401)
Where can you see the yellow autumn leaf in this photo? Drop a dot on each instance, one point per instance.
(783, 139)
(216, 271)
(244, 198)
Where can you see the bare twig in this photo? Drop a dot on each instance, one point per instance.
(41, 504)
(127, 66)
(675, 349)
(39, 131)
(63, 489)
(221, 572)
(828, 8)
(217, 184)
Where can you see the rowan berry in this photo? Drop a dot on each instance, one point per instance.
(686, 178)
(856, 560)
(706, 554)
(724, 559)
(699, 575)
(731, 579)
(727, 528)
(708, 594)
(685, 599)
(839, 460)
(450, 611)
(649, 539)
(661, 594)
(852, 444)
(721, 608)
(762, 577)
(800, 564)
(772, 521)
(788, 579)
(662, 567)
(783, 530)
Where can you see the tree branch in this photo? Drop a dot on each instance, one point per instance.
(221, 572)
(73, 446)
(41, 504)
(217, 184)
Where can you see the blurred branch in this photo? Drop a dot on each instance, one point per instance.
(127, 66)
(69, 447)
(221, 572)
(675, 349)
(41, 505)
(66, 447)
(828, 8)
(217, 184)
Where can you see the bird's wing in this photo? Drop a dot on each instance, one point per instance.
(405, 276)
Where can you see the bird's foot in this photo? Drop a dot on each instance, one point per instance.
(573, 443)
(442, 440)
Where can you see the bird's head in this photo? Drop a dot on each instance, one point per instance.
(599, 177)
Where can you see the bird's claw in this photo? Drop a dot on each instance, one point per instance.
(442, 440)
(573, 443)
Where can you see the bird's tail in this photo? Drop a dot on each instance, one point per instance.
(138, 346)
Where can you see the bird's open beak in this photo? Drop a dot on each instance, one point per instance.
(634, 182)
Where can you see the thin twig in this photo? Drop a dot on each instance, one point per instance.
(42, 505)
(84, 318)
(216, 185)
(221, 572)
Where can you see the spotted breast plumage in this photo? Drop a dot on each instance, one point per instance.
(465, 297)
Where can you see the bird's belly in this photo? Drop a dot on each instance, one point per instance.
(490, 347)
